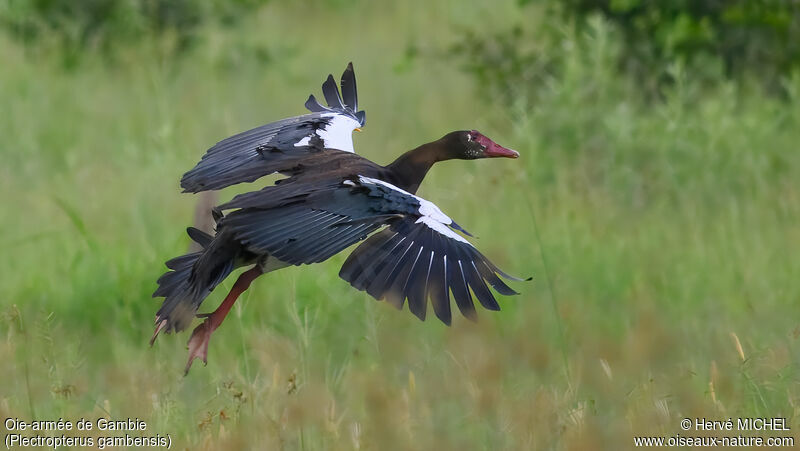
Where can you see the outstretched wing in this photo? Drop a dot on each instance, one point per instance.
(419, 256)
(277, 146)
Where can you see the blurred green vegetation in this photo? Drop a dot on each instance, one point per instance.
(760, 37)
(743, 40)
(104, 26)
(661, 231)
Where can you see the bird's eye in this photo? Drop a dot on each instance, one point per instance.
(469, 136)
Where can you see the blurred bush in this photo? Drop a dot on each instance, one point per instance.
(713, 40)
(758, 36)
(75, 27)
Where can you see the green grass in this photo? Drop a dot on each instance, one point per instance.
(669, 231)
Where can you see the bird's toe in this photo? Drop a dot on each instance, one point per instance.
(198, 344)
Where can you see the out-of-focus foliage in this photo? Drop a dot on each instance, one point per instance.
(662, 237)
(716, 40)
(106, 25)
(508, 63)
(760, 36)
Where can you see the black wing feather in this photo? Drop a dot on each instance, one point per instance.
(356, 263)
(299, 233)
(410, 260)
(253, 154)
(379, 286)
(397, 293)
(490, 276)
(353, 235)
(458, 284)
(331, 92)
(349, 91)
(417, 283)
(480, 289)
(313, 105)
(371, 271)
(436, 285)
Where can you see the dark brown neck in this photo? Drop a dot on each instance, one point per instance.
(409, 169)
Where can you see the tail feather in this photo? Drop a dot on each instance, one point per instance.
(199, 237)
(182, 262)
(191, 278)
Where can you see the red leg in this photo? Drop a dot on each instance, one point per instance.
(198, 343)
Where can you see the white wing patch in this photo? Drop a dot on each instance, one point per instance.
(441, 228)
(432, 216)
(303, 142)
(338, 134)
